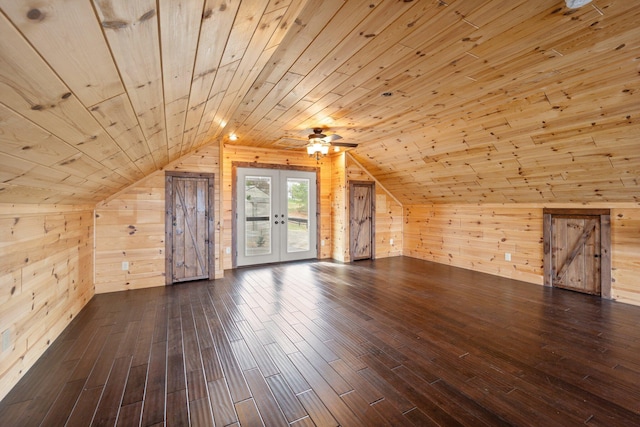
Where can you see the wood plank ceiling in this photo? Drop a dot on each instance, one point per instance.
(487, 101)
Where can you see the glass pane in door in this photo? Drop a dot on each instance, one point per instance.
(257, 190)
(298, 231)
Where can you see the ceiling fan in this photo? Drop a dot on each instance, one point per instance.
(319, 143)
(329, 139)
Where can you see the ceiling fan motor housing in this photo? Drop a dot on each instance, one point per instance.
(317, 133)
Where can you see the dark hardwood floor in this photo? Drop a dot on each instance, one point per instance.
(391, 342)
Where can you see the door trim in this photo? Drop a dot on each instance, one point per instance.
(604, 216)
(168, 221)
(372, 244)
(234, 197)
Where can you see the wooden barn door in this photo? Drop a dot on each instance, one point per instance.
(189, 229)
(577, 248)
(361, 220)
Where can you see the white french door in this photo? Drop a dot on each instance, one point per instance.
(276, 216)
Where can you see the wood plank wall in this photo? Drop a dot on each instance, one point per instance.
(625, 254)
(389, 213)
(477, 236)
(46, 277)
(130, 227)
(234, 153)
(339, 208)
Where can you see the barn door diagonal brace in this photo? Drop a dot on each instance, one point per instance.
(586, 234)
(191, 233)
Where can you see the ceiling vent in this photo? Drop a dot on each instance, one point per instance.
(574, 4)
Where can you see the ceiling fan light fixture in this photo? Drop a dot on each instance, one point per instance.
(317, 147)
(318, 144)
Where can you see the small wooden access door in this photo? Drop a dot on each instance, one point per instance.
(361, 220)
(189, 226)
(577, 248)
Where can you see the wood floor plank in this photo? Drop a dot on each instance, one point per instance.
(127, 345)
(287, 400)
(15, 413)
(395, 341)
(289, 372)
(200, 412)
(136, 382)
(395, 397)
(48, 391)
(176, 373)
(248, 414)
(145, 335)
(153, 410)
(201, 308)
(419, 418)
(211, 363)
(130, 415)
(260, 356)
(109, 405)
(390, 413)
(177, 408)
(196, 386)
(91, 353)
(233, 372)
(267, 405)
(323, 389)
(412, 391)
(365, 412)
(85, 408)
(221, 403)
(281, 337)
(333, 378)
(304, 422)
(364, 388)
(61, 408)
(243, 355)
(319, 414)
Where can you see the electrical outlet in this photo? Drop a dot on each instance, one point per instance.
(391, 241)
(507, 256)
(125, 265)
(6, 339)
(321, 242)
(227, 250)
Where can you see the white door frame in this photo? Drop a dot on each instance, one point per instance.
(238, 227)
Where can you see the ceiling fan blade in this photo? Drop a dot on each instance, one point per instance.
(332, 137)
(344, 144)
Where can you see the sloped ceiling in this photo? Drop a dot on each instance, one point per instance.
(450, 101)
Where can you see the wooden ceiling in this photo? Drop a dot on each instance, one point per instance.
(486, 101)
